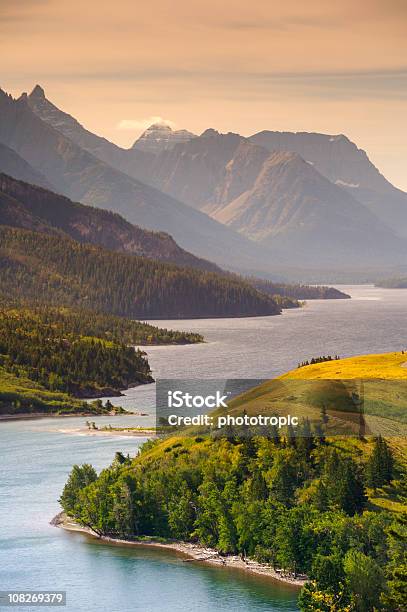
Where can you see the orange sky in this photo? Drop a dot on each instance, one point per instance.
(319, 65)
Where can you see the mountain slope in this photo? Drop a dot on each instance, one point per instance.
(343, 163)
(56, 270)
(278, 200)
(124, 160)
(13, 164)
(292, 204)
(226, 177)
(30, 207)
(194, 171)
(82, 177)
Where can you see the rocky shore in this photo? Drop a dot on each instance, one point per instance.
(192, 552)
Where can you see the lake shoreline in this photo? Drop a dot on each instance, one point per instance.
(122, 432)
(192, 552)
(26, 416)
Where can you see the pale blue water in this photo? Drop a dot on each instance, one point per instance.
(36, 457)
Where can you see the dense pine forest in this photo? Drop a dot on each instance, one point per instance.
(59, 271)
(50, 356)
(60, 354)
(331, 509)
(100, 325)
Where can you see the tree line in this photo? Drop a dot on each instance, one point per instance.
(320, 359)
(298, 291)
(296, 502)
(57, 352)
(59, 271)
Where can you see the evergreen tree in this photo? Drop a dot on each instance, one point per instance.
(365, 580)
(291, 439)
(79, 478)
(283, 477)
(344, 484)
(379, 468)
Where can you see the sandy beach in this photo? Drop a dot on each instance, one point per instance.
(192, 552)
(43, 415)
(131, 432)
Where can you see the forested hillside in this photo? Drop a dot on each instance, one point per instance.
(298, 291)
(331, 508)
(33, 208)
(59, 271)
(305, 505)
(21, 396)
(63, 354)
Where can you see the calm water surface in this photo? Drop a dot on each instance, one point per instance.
(36, 457)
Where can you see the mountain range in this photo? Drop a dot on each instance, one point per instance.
(78, 174)
(265, 204)
(343, 163)
(278, 199)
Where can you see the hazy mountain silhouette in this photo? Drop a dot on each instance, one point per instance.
(81, 176)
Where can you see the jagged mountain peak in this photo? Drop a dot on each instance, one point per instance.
(160, 136)
(163, 125)
(212, 133)
(38, 92)
(209, 133)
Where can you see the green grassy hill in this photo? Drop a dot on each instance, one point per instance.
(373, 384)
(21, 396)
(331, 507)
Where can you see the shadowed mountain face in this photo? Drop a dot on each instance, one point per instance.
(277, 199)
(291, 204)
(83, 177)
(343, 163)
(11, 163)
(30, 207)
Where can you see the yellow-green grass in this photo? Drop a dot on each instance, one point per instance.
(289, 394)
(375, 385)
(388, 366)
(20, 395)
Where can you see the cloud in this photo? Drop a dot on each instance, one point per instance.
(143, 124)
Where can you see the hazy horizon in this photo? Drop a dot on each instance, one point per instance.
(316, 68)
